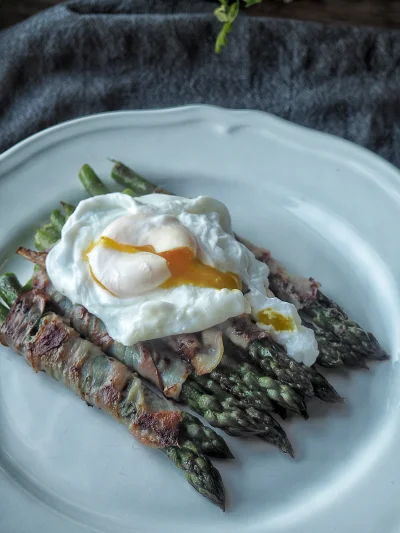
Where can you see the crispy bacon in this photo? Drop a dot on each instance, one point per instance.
(51, 346)
(39, 258)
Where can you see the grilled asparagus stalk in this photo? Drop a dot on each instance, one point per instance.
(49, 345)
(205, 438)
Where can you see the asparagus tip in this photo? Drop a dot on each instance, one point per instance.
(304, 414)
(356, 361)
(330, 396)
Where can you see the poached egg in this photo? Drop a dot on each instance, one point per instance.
(163, 265)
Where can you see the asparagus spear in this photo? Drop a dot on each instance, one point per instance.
(68, 209)
(233, 370)
(330, 318)
(57, 220)
(10, 288)
(273, 433)
(199, 472)
(219, 408)
(49, 345)
(3, 313)
(204, 438)
(240, 378)
(340, 340)
(89, 179)
(322, 388)
(252, 343)
(45, 237)
(333, 352)
(127, 177)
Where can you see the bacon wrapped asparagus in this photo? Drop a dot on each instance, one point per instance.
(220, 410)
(49, 345)
(284, 382)
(341, 341)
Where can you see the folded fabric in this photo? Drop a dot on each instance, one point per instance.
(88, 56)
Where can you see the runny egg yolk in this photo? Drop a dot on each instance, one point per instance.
(184, 267)
(279, 322)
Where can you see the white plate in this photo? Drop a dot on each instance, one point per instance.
(325, 207)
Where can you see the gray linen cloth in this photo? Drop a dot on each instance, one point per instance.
(87, 56)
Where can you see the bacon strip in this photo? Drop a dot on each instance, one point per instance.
(203, 350)
(241, 331)
(166, 363)
(297, 290)
(164, 368)
(49, 345)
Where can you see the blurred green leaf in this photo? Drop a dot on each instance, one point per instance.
(226, 13)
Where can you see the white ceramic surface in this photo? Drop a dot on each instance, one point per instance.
(325, 207)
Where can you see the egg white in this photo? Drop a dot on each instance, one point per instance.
(159, 312)
(300, 343)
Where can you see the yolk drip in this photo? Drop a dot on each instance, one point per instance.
(185, 268)
(279, 322)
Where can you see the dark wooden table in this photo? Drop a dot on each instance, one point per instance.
(383, 13)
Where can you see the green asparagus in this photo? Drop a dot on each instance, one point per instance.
(328, 317)
(49, 345)
(45, 237)
(127, 177)
(57, 220)
(3, 313)
(272, 432)
(246, 341)
(333, 353)
(204, 438)
(233, 370)
(68, 209)
(199, 472)
(10, 288)
(89, 179)
(322, 388)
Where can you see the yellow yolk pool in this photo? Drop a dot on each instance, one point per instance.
(279, 322)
